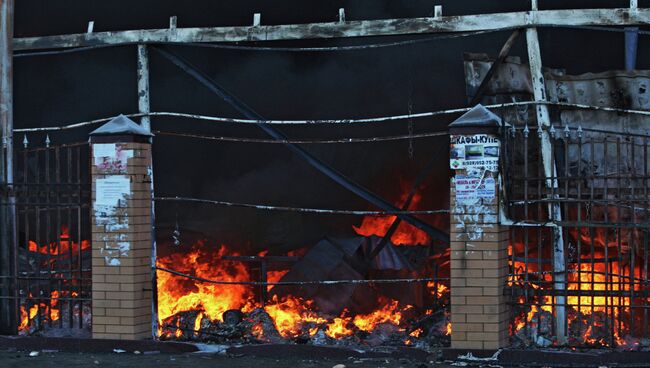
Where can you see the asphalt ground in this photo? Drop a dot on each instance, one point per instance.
(45, 359)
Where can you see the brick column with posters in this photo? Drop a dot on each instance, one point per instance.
(121, 232)
(479, 260)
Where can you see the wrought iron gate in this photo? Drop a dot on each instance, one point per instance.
(580, 237)
(51, 281)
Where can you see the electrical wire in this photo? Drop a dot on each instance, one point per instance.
(310, 282)
(303, 141)
(64, 126)
(300, 209)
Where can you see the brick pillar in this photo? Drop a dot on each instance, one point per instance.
(479, 261)
(121, 235)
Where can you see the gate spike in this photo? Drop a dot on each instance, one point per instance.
(579, 131)
(552, 131)
(47, 141)
(540, 131)
(567, 131)
(526, 131)
(512, 131)
(25, 141)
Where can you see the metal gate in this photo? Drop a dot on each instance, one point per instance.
(579, 250)
(51, 282)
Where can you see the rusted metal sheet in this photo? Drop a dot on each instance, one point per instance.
(362, 28)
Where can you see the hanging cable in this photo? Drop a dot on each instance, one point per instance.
(300, 209)
(64, 126)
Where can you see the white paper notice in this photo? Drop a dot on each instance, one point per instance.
(470, 189)
(466, 189)
(110, 190)
(104, 150)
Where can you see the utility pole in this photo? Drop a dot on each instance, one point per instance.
(550, 172)
(8, 313)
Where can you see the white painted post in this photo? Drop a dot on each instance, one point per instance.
(173, 22)
(143, 86)
(91, 26)
(341, 15)
(543, 123)
(257, 19)
(634, 4)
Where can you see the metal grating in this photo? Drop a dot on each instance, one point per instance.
(579, 242)
(51, 283)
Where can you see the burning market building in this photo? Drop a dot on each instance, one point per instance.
(407, 175)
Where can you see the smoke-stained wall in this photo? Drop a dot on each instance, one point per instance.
(424, 76)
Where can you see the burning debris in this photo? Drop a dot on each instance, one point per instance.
(62, 305)
(212, 294)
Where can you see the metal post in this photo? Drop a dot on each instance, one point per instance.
(631, 45)
(8, 310)
(144, 108)
(543, 123)
(143, 86)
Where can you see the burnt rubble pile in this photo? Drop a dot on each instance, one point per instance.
(338, 312)
(589, 330)
(257, 327)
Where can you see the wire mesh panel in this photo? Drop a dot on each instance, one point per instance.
(579, 248)
(52, 247)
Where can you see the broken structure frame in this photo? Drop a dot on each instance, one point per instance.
(469, 23)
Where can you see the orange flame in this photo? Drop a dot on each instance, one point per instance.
(177, 294)
(587, 277)
(291, 314)
(406, 234)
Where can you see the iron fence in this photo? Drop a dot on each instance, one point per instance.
(51, 282)
(578, 202)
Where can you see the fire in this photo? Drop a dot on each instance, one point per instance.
(586, 310)
(406, 234)
(49, 312)
(390, 313)
(63, 246)
(274, 276)
(437, 289)
(176, 294)
(290, 314)
(339, 328)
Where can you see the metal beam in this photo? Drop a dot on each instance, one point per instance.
(362, 28)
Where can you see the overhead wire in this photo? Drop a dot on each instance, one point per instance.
(300, 209)
(66, 126)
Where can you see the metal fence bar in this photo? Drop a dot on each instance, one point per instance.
(52, 196)
(603, 196)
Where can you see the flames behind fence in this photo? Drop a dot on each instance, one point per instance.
(586, 266)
